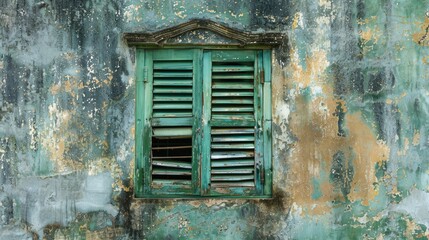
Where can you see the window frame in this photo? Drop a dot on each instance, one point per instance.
(142, 125)
(230, 39)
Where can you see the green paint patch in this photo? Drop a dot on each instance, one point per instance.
(317, 193)
(306, 94)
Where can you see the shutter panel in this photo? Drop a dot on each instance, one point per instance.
(202, 124)
(234, 88)
(171, 151)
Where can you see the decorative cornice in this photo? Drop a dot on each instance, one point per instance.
(244, 38)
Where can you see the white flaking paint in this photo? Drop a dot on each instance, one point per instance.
(416, 205)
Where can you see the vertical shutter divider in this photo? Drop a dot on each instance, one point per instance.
(197, 128)
(139, 163)
(206, 99)
(258, 126)
(147, 134)
(267, 119)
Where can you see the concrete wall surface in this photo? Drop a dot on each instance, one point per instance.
(350, 121)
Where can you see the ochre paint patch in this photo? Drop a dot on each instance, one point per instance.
(314, 125)
(318, 141)
(421, 37)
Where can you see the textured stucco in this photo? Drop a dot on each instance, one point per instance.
(350, 112)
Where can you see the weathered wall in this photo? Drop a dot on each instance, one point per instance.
(350, 104)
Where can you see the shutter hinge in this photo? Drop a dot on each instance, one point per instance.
(262, 76)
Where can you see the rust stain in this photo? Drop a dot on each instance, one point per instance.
(296, 20)
(106, 233)
(421, 37)
(412, 229)
(404, 151)
(416, 138)
(56, 136)
(369, 37)
(213, 202)
(70, 85)
(314, 72)
(425, 60)
(370, 34)
(368, 20)
(110, 165)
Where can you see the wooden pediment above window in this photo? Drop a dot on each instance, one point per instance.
(204, 32)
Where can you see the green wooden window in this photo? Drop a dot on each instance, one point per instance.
(203, 123)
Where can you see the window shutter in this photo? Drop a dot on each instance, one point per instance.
(171, 76)
(233, 145)
(203, 123)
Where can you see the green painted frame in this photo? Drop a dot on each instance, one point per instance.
(200, 181)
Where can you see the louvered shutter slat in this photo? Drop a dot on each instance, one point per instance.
(172, 99)
(169, 82)
(235, 170)
(232, 85)
(232, 153)
(171, 163)
(233, 163)
(232, 68)
(163, 73)
(171, 172)
(166, 65)
(233, 146)
(232, 93)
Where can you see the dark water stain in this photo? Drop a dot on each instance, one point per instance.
(283, 53)
(124, 199)
(50, 230)
(376, 82)
(378, 109)
(10, 91)
(262, 213)
(6, 211)
(270, 14)
(142, 218)
(117, 87)
(340, 113)
(38, 79)
(278, 203)
(360, 15)
(346, 50)
(342, 173)
(70, 14)
(9, 160)
(347, 80)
